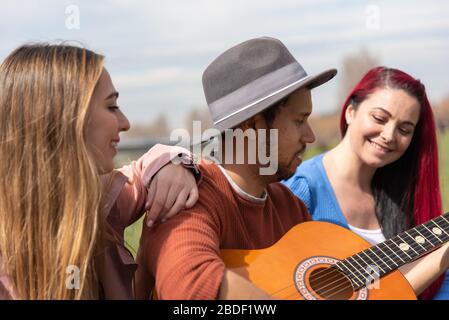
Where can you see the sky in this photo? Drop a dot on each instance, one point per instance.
(157, 50)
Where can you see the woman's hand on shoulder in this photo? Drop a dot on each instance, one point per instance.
(171, 190)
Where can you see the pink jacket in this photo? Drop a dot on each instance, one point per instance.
(126, 195)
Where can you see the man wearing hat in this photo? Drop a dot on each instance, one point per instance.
(257, 85)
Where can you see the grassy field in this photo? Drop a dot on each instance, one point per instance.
(132, 233)
(132, 236)
(443, 144)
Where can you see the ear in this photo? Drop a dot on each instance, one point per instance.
(349, 114)
(248, 124)
(259, 122)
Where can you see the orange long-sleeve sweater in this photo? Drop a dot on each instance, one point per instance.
(183, 254)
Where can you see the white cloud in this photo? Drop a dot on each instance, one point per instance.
(155, 77)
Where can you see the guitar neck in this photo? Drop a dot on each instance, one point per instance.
(366, 266)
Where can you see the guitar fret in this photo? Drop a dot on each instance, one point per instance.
(400, 250)
(356, 272)
(377, 247)
(438, 227)
(349, 273)
(386, 245)
(422, 239)
(356, 281)
(444, 218)
(363, 265)
(403, 256)
(413, 242)
(360, 270)
(372, 274)
(430, 232)
(375, 259)
(406, 245)
(380, 259)
(364, 252)
(422, 235)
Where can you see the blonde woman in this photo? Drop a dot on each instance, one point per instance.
(63, 209)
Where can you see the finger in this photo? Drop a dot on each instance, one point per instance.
(149, 201)
(150, 195)
(172, 195)
(177, 206)
(170, 198)
(193, 197)
(157, 205)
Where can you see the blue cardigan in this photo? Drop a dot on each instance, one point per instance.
(311, 184)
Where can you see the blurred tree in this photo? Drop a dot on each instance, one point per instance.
(158, 128)
(442, 114)
(326, 129)
(353, 69)
(198, 114)
(354, 66)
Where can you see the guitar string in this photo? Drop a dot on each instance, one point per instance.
(321, 294)
(327, 292)
(323, 271)
(331, 292)
(328, 283)
(328, 270)
(400, 252)
(276, 292)
(345, 280)
(378, 259)
(295, 293)
(353, 257)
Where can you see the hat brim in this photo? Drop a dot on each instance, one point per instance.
(308, 82)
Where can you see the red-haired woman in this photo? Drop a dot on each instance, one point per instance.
(382, 178)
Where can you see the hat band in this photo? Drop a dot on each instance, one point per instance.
(257, 91)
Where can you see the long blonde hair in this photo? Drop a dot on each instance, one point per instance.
(50, 192)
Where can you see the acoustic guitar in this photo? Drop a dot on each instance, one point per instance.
(323, 261)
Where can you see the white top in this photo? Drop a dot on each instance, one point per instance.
(239, 190)
(373, 236)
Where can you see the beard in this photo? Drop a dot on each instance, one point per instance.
(284, 172)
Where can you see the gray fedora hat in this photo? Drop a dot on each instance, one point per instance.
(252, 76)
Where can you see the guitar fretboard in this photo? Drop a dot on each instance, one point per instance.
(366, 266)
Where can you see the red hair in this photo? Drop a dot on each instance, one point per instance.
(426, 199)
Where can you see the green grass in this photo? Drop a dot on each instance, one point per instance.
(132, 236)
(132, 233)
(443, 145)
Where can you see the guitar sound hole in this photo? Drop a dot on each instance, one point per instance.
(330, 284)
